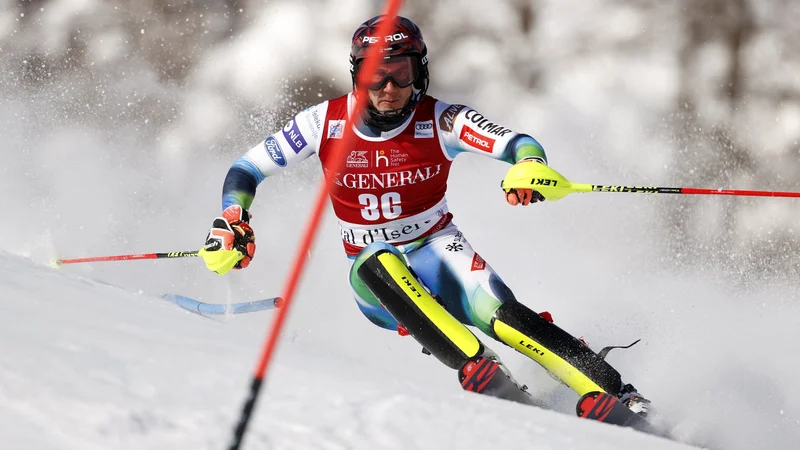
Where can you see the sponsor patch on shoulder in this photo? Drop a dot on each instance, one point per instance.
(274, 151)
(476, 140)
(292, 134)
(423, 129)
(335, 129)
(448, 117)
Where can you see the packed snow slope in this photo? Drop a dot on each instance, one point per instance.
(90, 366)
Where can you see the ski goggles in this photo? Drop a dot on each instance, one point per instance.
(400, 70)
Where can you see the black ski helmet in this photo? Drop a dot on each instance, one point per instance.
(405, 38)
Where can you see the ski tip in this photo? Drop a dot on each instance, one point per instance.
(278, 302)
(55, 262)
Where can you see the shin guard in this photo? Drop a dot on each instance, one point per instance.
(399, 291)
(567, 358)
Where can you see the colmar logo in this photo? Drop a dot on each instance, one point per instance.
(476, 140)
(484, 125)
(274, 151)
(424, 129)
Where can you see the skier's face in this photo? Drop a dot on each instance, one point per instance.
(390, 97)
(390, 86)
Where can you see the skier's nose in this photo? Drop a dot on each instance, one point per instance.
(390, 87)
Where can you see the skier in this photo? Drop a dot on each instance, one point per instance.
(412, 269)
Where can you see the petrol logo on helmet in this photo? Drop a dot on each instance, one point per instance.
(390, 38)
(274, 151)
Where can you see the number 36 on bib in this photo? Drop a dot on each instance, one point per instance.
(388, 205)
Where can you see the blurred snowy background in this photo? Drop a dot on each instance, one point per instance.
(136, 97)
(119, 120)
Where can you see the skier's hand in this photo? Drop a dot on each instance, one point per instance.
(523, 197)
(230, 243)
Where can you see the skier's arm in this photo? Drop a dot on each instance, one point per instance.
(524, 148)
(464, 130)
(230, 244)
(240, 183)
(295, 142)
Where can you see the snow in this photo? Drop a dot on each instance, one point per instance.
(90, 366)
(87, 365)
(117, 155)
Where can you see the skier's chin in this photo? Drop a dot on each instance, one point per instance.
(388, 105)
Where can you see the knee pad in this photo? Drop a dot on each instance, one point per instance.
(398, 290)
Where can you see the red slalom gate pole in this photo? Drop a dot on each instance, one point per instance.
(62, 261)
(368, 69)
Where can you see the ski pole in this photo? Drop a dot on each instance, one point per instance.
(553, 186)
(61, 261)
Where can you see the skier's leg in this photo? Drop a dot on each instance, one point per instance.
(556, 350)
(474, 293)
(366, 301)
(569, 359)
(388, 278)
